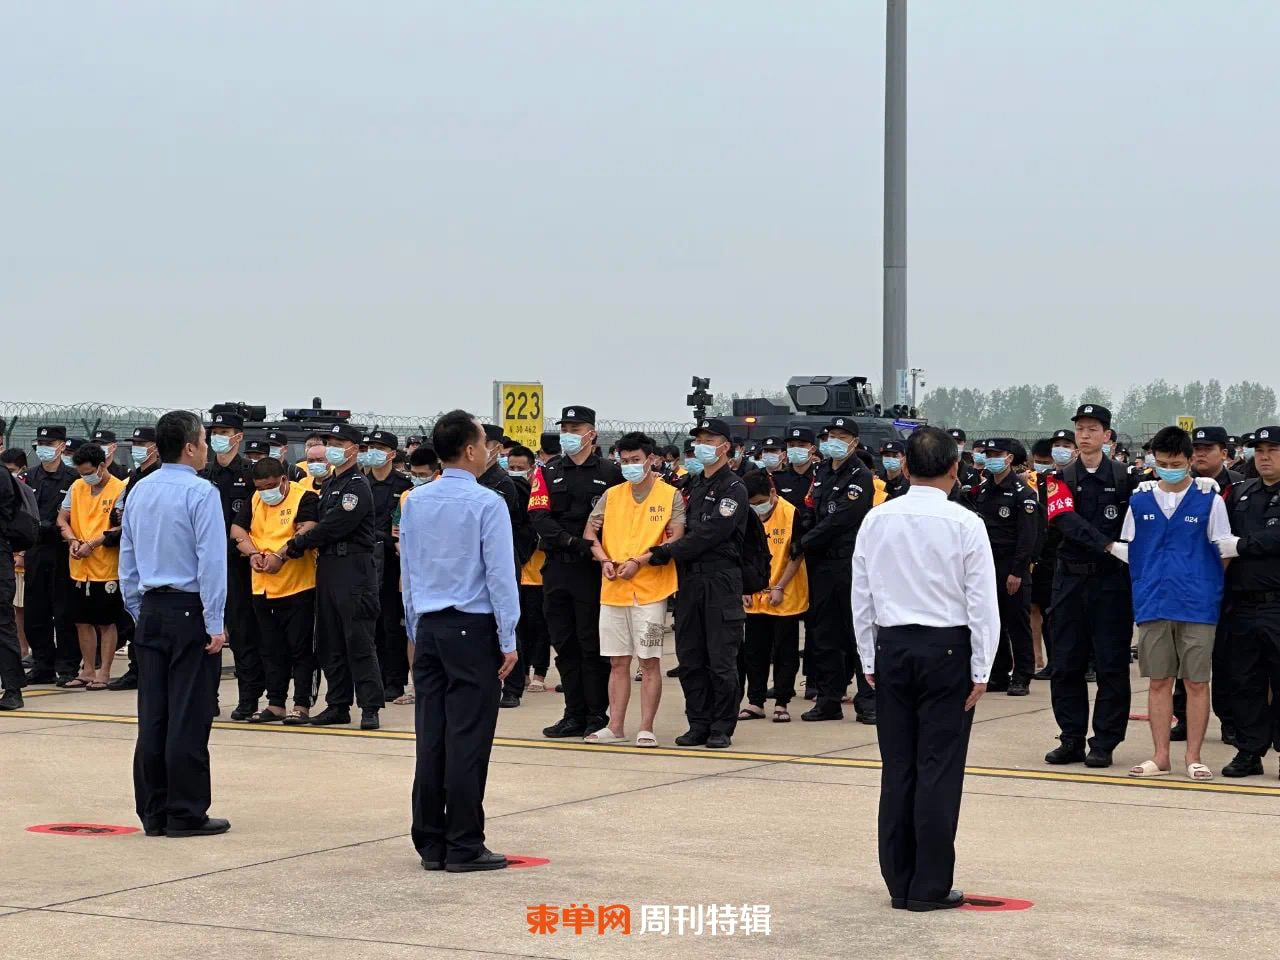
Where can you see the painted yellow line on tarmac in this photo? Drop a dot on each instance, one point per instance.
(1006, 773)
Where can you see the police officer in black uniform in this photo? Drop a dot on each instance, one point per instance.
(896, 483)
(48, 578)
(106, 439)
(1092, 598)
(387, 485)
(347, 588)
(230, 473)
(278, 447)
(969, 474)
(843, 491)
(710, 618)
(558, 510)
(1011, 513)
(1253, 604)
(793, 483)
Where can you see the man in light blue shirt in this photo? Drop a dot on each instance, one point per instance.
(173, 572)
(461, 604)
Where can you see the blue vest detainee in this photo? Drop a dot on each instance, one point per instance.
(1176, 569)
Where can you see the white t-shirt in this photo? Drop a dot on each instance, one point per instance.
(1167, 501)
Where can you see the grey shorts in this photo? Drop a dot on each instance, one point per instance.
(1173, 648)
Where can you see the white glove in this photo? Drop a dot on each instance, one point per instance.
(1207, 485)
(1229, 547)
(1120, 550)
(1146, 486)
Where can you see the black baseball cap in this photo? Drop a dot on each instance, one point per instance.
(384, 437)
(345, 431)
(772, 443)
(712, 425)
(104, 436)
(801, 433)
(1265, 435)
(232, 420)
(1063, 435)
(144, 435)
(892, 446)
(278, 438)
(956, 434)
(848, 424)
(1093, 411)
(1209, 436)
(575, 414)
(75, 443)
(51, 433)
(257, 446)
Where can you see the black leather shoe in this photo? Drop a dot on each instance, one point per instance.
(209, 828)
(1244, 765)
(719, 741)
(244, 711)
(41, 676)
(1229, 735)
(952, 900)
(509, 700)
(1069, 751)
(432, 864)
(486, 861)
(369, 720)
(674, 671)
(12, 700)
(127, 682)
(866, 716)
(331, 716)
(1097, 758)
(898, 903)
(1018, 687)
(1042, 674)
(692, 738)
(1178, 733)
(154, 831)
(565, 728)
(822, 713)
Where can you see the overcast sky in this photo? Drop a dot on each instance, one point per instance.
(391, 204)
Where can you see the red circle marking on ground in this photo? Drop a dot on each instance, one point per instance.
(981, 902)
(518, 862)
(81, 829)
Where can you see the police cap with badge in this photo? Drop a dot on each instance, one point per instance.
(895, 447)
(574, 414)
(1063, 435)
(144, 435)
(51, 433)
(1264, 435)
(1010, 446)
(956, 434)
(772, 443)
(257, 446)
(1093, 411)
(847, 424)
(232, 420)
(384, 437)
(104, 436)
(277, 438)
(712, 425)
(345, 431)
(801, 433)
(1209, 436)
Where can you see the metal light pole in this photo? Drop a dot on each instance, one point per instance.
(895, 205)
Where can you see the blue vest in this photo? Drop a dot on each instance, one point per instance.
(1176, 570)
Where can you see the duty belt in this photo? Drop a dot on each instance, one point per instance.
(343, 550)
(1256, 596)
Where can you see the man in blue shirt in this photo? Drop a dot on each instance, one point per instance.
(461, 605)
(173, 573)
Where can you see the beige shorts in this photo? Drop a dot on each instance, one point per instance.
(1172, 648)
(634, 631)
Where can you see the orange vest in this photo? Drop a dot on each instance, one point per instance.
(270, 529)
(90, 516)
(795, 596)
(531, 572)
(631, 529)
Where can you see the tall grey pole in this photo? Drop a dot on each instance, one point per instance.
(895, 203)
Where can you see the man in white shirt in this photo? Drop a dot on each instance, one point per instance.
(927, 624)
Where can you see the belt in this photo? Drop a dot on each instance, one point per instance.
(190, 593)
(343, 550)
(1256, 596)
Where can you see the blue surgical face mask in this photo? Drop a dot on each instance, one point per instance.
(1061, 455)
(771, 460)
(336, 455)
(276, 452)
(762, 509)
(633, 472)
(798, 455)
(139, 454)
(997, 464)
(418, 481)
(92, 479)
(692, 465)
(892, 463)
(376, 458)
(980, 461)
(706, 453)
(1106, 449)
(502, 461)
(1043, 467)
(1246, 453)
(66, 459)
(570, 444)
(1171, 474)
(835, 449)
(46, 454)
(220, 443)
(271, 497)
(758, 464)
(316, 468)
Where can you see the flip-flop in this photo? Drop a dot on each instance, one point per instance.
(745, 714)
(604, 735)
(406, 698)
(536, 686)
(781, 715)
(76, 683)
(1199, 772)
(646, 739)
(296, 720)
(95, 685)
(1147, 769)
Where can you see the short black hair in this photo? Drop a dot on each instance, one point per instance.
(1042, 448)
(424, 456)
(89, 453)
(520, 450)
(757, 483)
(174, 431)
(671, 450)
(1172, 440)
(268, 468)
(636, 441)
(399, 457)
(453, 432)
(931, 453)
(550, 443)
(314, 438)
(14, 455)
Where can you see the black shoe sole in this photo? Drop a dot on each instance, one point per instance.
(898, 903)
(572, 734)
(923, 906)
(160, 832)
(1064, 761)
(194, 833)
(316, 722)
(474, 868)
(432, 864)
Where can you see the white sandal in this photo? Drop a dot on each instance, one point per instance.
(605, 735)
(1146, 769)
(646, 739)
(1199, 772)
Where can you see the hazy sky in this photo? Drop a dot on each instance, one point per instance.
(392, 203)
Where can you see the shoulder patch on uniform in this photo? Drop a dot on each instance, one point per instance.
(1111, 512)
(1029, 506)
(728, 507)
(349, 501)
(855, 491)
(1004, 513)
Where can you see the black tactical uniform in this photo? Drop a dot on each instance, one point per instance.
(571, 581)
(104, 438)
(1253, 618)
(47, 580)
(1011, 513)
(709, 614)
(840, 499)
(1092, 604)
(277, 438)
(235, 485)
(347, 591)
(391, 640)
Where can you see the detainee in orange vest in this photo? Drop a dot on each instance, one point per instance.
(627, 522)
(773, 615)
(96, 605)
(284, 591)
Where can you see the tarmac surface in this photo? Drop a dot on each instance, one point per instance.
(782, 827)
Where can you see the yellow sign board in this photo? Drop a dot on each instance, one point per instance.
(520, 410)
(1187, 423)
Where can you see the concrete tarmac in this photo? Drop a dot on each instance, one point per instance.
(318, 863)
